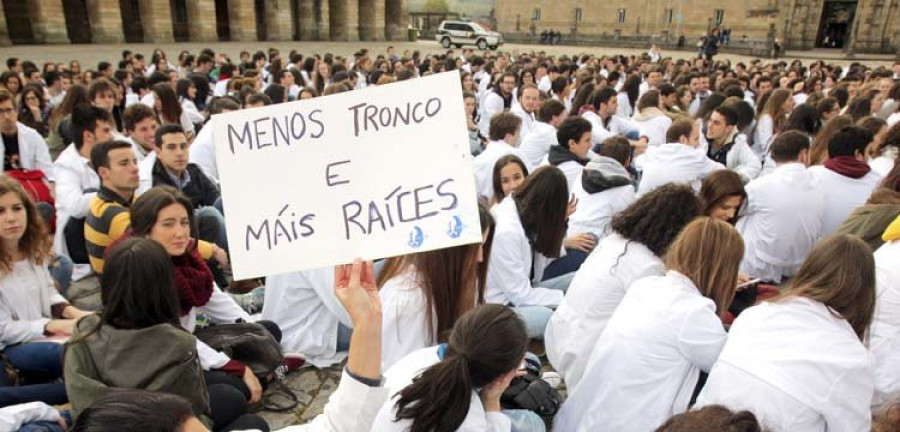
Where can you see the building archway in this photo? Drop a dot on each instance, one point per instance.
(393, 19)
(836, 23)
(262, 28)
(180, 28)
(18, 22)
(78, 24)
(223, 28)
(132, 27)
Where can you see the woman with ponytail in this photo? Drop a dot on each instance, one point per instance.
(457, 385)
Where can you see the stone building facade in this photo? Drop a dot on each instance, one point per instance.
(858, 25)
(158, 21)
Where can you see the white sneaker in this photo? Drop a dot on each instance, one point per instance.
(552, 378)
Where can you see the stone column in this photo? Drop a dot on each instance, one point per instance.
(202, 16)
(371, 20)
(278, 20)
(324, 25)
(395, 19)
(4, 30)
(106, 21)
(344, 19)
(156, 17)
(306, 10)
(242, 20)
(48, 21)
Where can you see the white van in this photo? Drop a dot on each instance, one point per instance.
(459, 33)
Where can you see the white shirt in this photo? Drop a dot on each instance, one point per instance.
(404, 327)
(653, 124)
(190, 110)
(203, 152)
(797, 366)
(33, 151)
(842, 194)
(483, 165)
(884, 342)
(221, 88)
(646, 363)
(762, 137)
(308, 313)
(598, 130)
(537, 144)
(13, 417)
(595, 211)
(26, 296)
(594, 294)
(145, 173)
(491, 105)
(775, 244)
(571, 169)
(401, 375)
(624, 109)
(511, 263)
(740, 158)
(674, 163)
(528, 121)
(74, 177)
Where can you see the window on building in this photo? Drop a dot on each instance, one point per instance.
(669, 14)
(577, 14)
(536, 15)
(719, 16)
(621, 16)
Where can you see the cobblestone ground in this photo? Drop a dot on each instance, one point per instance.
(90, 55)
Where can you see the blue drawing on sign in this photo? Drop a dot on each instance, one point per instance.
(416, 237)
(455, 229)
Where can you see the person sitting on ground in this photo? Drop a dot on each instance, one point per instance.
(679, 161)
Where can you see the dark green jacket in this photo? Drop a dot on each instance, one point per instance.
(158, 358)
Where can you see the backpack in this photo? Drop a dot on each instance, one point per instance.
(531, 392)
(34, 182)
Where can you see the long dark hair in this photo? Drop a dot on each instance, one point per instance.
(718, 187)
(542, 202)
(656, 218)
(498, 166)
(146, 208)
(485, 343)
(452, 279)
(170, 111)
(138, 287)
(632, 87)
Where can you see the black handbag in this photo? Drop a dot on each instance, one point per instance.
(531, 392)
(248, 343)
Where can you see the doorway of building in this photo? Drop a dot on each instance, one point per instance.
(262, 30)
(180, 26)
(78, 25)
(131, 21)
(20, 31)
(223, 28)
(836, 24)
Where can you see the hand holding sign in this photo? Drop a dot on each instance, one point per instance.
(371, 174)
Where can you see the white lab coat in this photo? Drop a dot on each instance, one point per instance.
(646, 363)
(145, 173)
(27, 295)
(595, 211)
(594, 294)
(401, 375)
(14, 417)
(351, 408)
(674, 163)
(884, 342)
(483, 166)
(842, 194)
(404, 327)
(797, 366)
(598, 131)
(491, 105)
(740, 158)
(781, 222)
(624, 109)
(570, 169)
(537, 144)
(528, 121)
(203, 152)
(653, 124)
(74, 176)
(511, 264)
(33, 151)
(762, 137)
(306, 310)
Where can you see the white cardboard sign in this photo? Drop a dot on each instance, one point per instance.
(372, 173)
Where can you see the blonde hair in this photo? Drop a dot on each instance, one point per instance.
(839, 272)
(708, 252)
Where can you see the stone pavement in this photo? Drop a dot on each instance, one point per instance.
(90, 55)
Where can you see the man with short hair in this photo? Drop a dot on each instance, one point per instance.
(537, 144)
(55, 92)
(654, 79)
(725, 145)
(604, 120)
(288, 81)
(140, 127)
(783, 214)
(105, 69)
(22, 147)
(200, 77)
(14, 64)
(570, 154)
(845, 179)
(497, 100)
(678, 161)
(701, 93)
(502, 139)
(77, 183)
(529, 102)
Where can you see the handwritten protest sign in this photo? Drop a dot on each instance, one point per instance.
(380, 172)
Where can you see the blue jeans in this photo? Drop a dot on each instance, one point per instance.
(525, 421)
(535, 319)
(61, 270)
(343, 338)
(41, 427)
(40, 365)
(567, 264)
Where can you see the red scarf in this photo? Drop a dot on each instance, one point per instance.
(193, 279)
(848, 166)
